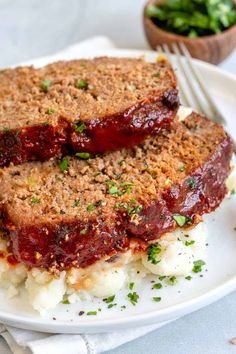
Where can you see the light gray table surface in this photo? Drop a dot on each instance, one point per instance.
(33, 28)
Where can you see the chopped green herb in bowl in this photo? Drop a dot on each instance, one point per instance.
(194, 18)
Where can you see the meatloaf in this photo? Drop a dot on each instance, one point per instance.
(83, 106)
(68, 212)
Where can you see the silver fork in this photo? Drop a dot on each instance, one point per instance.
(192, 87)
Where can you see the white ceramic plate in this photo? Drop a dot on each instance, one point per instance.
(217, 279)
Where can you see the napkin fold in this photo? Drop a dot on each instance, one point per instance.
(22, 341)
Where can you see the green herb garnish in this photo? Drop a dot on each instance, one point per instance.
(91, 313)
(80, 127)
(188, 277)
(189, 243)
(111, 305)
(81, 84)
(172, 280)
(64, 165)
(6, 130)
(109, 299)
(156, 298)
(193, 18)
(83, 231)
(162, 277)
(133, 298)
(191, 181)
(35, 200)
(152, 252)
(131, 286)
(157, 286)
(76, 203)
(232, 192)
(91, 207)
(66, 302)
(50, 111)
(182, 220)
(83, 155)
(157, 74)
(198, 266)
(45, 85)
(182, 168)
(121, 162)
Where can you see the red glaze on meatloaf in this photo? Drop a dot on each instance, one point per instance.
(91, 106)
(56, 220)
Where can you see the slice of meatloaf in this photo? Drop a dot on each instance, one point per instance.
(75, 211)
(83, 105)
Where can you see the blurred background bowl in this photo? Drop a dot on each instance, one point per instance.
(213, 49)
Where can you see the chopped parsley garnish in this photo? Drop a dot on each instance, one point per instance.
(111, 305)
(133, 298)
(162, 277)
(157, 74)
(6, 130)
(35, 200)
(80, 127)
(124, 187)
(91, 313)
(83, 231)
(192, 183)
(182, 220)
(113, 190)
(131, 286)
(234, 228)
(45, 124)
(45, 85)
(198, 266)
(83, 155)
(66, 302)
(232, 192)
(76, 203)
(50, 111)
(64, 165)
(131, 210)
(152, 252)
(156, 298)
(189, 243)
(127, 186)
(81, 84)
(123, 307)
(121, 162)
(182, 168)
(109, 299)
(172, 280)
(157, 286)
(188, 277)
(194, 18)
(91, 207)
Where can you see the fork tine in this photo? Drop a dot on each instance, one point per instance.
(188, 78)
(215, 111)
(184, 98)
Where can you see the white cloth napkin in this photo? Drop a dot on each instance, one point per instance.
(29, 342)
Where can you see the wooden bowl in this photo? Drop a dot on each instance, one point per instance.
(213, 49)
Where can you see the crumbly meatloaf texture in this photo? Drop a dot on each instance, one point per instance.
(94, 105)
(57, 219)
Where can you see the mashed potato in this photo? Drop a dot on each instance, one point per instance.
(179, 249)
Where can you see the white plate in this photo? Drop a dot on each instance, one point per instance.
(219, 277)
